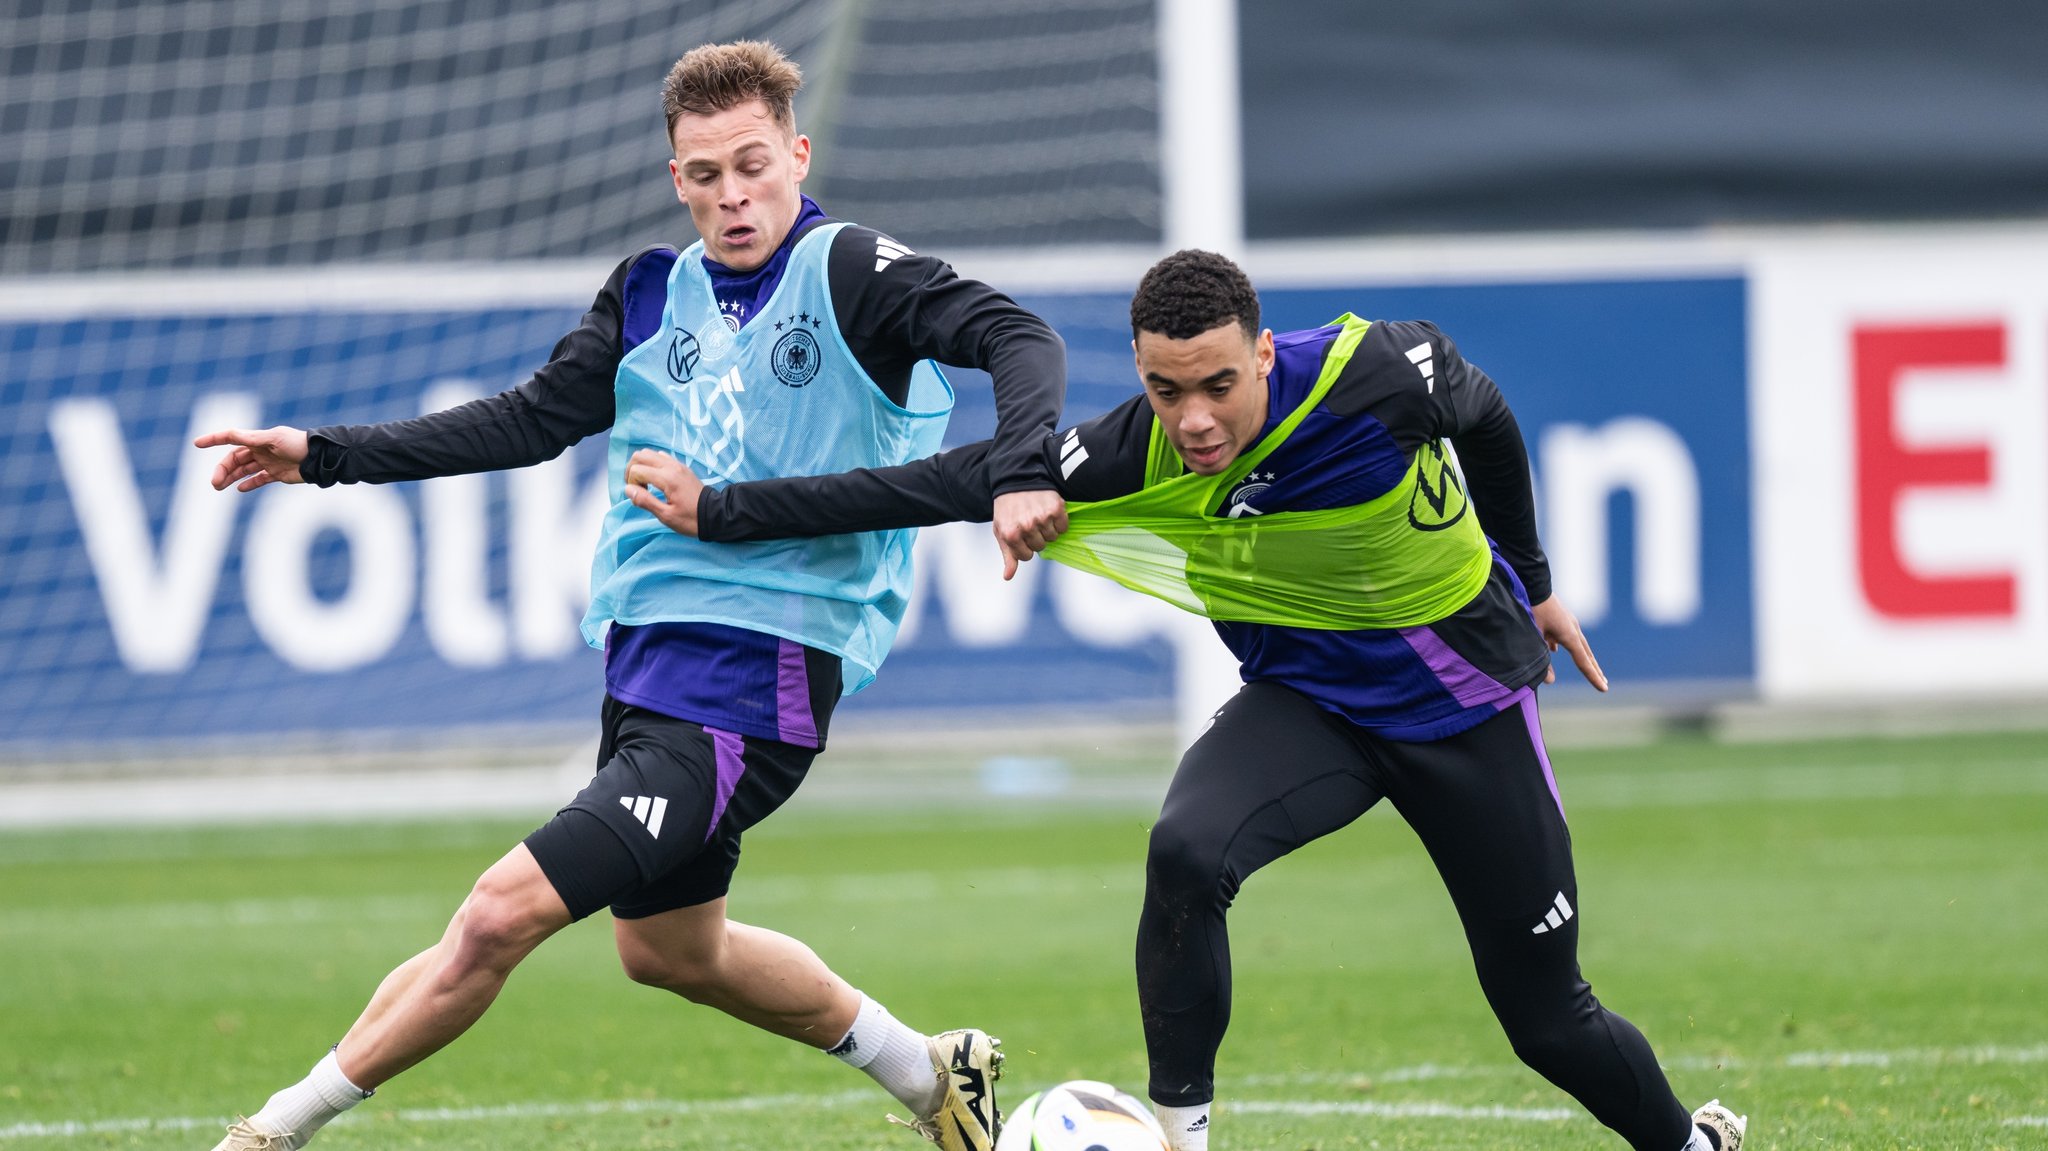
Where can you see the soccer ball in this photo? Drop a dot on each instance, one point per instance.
(1081, 1115)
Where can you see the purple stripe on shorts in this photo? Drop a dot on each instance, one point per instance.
(793, 719)
(1526, 700)
(1467, 684)
(729, 752)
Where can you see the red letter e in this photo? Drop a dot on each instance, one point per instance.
(1887, 469)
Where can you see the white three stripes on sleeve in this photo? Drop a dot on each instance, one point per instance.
(1072, 454)
(888, 251)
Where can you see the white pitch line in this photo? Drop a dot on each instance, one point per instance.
(1420, 1073)
(465, 1114)
(631, 1107)
(1804, 1060)
(73, 1128)
(1407, 1110)
(1400, 1110)
(1417, 1109)
(1909, 1056)
(1988, 1054)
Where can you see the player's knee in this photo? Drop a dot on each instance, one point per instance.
(1180, 864)
(489, 939)
(1546, 1033)
(653, 969)
(501, 922)
(694, 974)
(1548, 1049)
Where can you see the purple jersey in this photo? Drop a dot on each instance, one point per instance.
(1413, 683)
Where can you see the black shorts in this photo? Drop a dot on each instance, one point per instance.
(658, 827)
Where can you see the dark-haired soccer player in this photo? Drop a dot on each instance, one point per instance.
(784, 343)
(1417, 685)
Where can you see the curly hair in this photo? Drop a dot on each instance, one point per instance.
(713, 77)
(1189, 293)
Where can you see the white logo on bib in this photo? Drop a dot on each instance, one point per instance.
(711, 429)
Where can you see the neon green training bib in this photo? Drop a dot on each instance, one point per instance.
(1409, 557)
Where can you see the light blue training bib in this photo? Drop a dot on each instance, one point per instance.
(782, 396)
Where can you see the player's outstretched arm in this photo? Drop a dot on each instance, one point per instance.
(568, 399)
(896, 306)
(269, 456)
(952, 485)
(1560, 628)
(1099, 459)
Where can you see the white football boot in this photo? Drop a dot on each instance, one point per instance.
(243, 1137)
(1723, 1126)
(968, 1063)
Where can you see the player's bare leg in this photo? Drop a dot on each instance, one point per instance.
(398, 982)
(755, 975)
(417, 1012)
(780, 985)
(421, 1006)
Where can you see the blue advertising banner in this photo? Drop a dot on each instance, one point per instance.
(140, 605)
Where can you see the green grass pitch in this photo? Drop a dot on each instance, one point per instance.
(1847, 940)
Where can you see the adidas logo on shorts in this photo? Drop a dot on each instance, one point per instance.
(648, 809)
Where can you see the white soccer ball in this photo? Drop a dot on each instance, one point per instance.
(1081, 1115)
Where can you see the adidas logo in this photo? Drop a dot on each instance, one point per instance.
(1201, 1124)
(648, 809)
(888, 251)
(1555, 917)
(1072, 454)
(1421, 356)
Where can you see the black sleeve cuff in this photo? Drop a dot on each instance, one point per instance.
(322, 465)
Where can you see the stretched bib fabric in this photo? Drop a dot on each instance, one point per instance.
(1409, 557)
(782, 396)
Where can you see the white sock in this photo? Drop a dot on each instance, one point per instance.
(309, 1104)
(1187, 1128)
(1700, 1141)
(894, 1056)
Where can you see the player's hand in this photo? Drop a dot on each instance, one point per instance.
(665, 488)
(270, 456)
(1025, 523)
(1561, 628)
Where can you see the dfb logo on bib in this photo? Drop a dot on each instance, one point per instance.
(719, 336)
(797, 356)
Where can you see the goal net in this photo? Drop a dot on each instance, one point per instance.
(307, 213)
(217, 133)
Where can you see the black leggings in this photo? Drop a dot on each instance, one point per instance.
(1275, 772)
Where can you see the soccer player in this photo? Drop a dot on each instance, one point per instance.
(784, 342)
(1415, 683)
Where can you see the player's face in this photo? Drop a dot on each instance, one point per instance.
(738, 171)
(1208, 391)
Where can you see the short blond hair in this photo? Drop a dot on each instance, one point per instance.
(711, 78)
